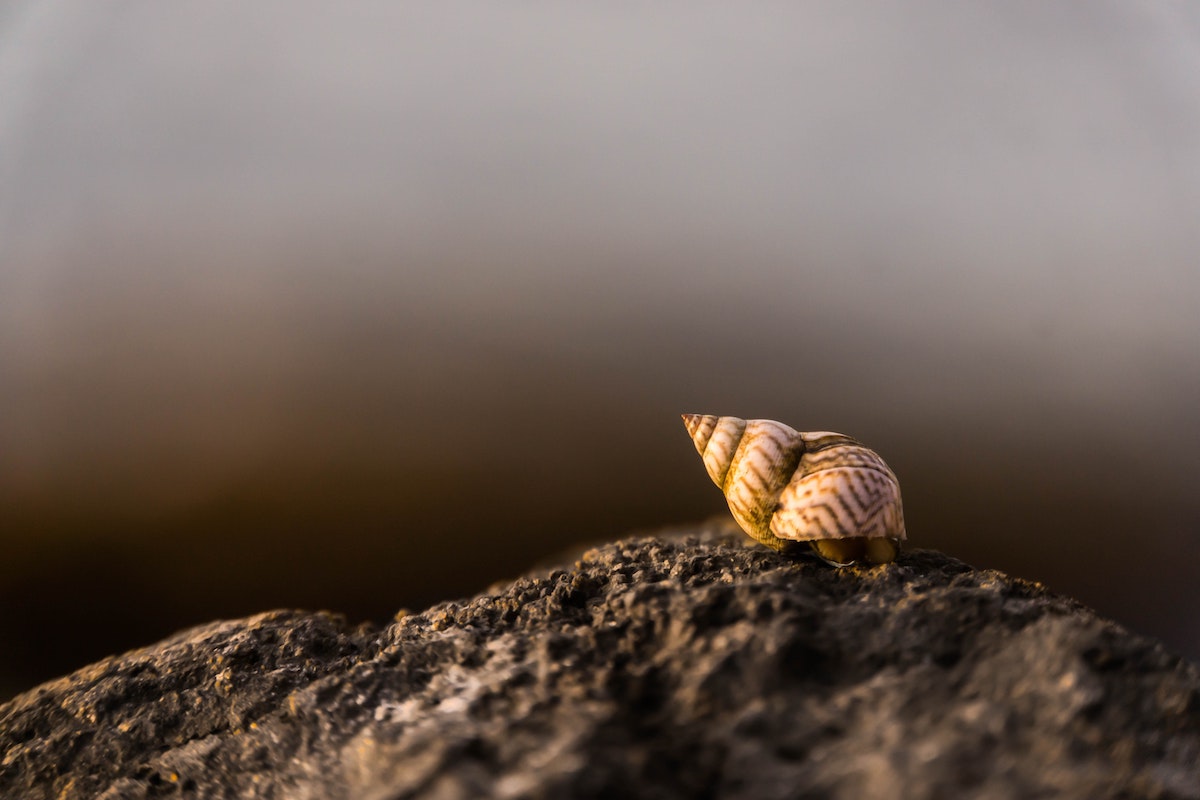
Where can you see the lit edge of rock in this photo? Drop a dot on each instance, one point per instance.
(686, 664)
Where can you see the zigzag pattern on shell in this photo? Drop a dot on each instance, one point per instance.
(785, 486)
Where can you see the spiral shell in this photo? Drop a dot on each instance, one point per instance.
(785, 486)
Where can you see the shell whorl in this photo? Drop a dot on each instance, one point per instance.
(784, 485)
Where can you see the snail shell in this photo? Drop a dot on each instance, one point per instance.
(785, 486)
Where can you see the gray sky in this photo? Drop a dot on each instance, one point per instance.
(930, 186)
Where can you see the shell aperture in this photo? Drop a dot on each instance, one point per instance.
(786, 486)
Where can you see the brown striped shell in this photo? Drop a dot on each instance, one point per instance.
(786, 486)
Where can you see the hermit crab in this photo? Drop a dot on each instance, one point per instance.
(786, 487)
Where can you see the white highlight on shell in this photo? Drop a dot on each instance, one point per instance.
(786, 486)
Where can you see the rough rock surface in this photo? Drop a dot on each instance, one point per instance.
(675, 666)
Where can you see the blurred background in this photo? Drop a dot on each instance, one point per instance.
(361, 307)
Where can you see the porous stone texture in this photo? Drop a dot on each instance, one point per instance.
(687, 664)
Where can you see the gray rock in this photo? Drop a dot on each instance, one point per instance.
(694, 665)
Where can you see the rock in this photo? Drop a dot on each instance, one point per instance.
(687, 665)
